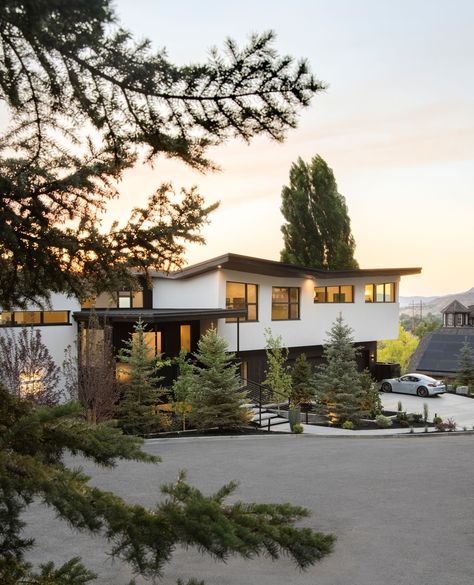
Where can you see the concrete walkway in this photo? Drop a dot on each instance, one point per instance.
(459, 408)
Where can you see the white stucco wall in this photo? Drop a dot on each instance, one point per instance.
(55, 337)
(370, 321)
(200, 292)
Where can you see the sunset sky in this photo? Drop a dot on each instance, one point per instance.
(396, 125)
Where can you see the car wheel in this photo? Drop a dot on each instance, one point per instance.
(422, 391)
(386, 387)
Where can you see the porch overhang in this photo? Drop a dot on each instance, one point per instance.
(158, 315)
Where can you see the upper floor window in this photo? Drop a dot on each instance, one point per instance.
(380, 293)
(22, 318)
(123, 299)
(343, 293)
(285, 303)
(242, 295)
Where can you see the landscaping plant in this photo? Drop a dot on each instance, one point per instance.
(216, 399)
(302, 391)
(466, 367)
(338, 382)
(384, 422)
(277, 374)
(138, 410)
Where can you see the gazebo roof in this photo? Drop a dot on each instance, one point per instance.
(455, 307)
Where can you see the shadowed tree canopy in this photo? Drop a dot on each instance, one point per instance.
(317, 231)
(87, 102)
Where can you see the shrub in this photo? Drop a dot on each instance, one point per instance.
(402, 416)
(416, 418)
(298, 428)
(403, 423)
(437, 420)
(383, 421)
(348, 425)
(450, 424)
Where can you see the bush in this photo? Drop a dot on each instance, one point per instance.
(402, 417)
(348, 425)
(403, 423)
(437, 420)
(384, 422)
(416, 418)
(298, 428)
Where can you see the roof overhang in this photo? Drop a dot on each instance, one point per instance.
(273, 268)
(158, 315)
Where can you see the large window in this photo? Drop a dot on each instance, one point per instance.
(185, 337)
(153, 342)
(285, 303)
(21, 318)
(242, 295)
(123, 299)
(380, 293)
(334, 294)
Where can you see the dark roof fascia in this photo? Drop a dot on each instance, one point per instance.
(158, 315)
(253, 265)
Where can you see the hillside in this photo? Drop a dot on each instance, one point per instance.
(436, 304)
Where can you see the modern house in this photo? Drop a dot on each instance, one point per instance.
(438, 352)
(241, 296)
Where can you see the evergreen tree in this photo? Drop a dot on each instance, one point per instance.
(302, 391)
(277, 374)
(216, 399)
(137, 412)
(317, 231)
(371, 401)
(71, 77)
(466, 366)
(32, 445)
(338, 381)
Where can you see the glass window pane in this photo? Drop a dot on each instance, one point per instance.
(185, 336)
(235, 295)
(137, 299)
(125, 299)
(106, 301)
(279, 311)
(252, 313)
(294, 311)
(390, 292)
(27, 317)
(159, 343)
(280, 294)
(369, 293)
(332, 294)
(251, 293)
(320, 294)
(55, 317)
(379, 291)
(346, 294)
(450, 319)
(5, 318)
(294, 295)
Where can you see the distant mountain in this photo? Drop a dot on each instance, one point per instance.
(436, 304)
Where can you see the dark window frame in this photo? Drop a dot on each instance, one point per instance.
(374, 292)
(339, 302)
(255, 304)
(41, 322)
(288, 303)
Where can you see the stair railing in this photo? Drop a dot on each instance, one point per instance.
(261, 395)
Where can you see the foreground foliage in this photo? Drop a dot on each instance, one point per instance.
(86, 102)
(32, 446)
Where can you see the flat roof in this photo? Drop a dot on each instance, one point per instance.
(158, 315)
(253, 265)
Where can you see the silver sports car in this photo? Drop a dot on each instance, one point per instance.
(414, 384)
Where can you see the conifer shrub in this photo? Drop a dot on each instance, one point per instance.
(384, 422)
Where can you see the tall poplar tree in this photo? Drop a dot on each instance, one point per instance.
(317, 231)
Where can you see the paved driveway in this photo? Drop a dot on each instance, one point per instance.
(402, 508)
(459, 408)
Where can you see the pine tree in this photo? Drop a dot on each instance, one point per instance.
(32, 446)
(277, 374)
(338, 381)
(137, 412)
(466, 366)
(302, 391)
(71, 76)
(317, 231)
(216, 399)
